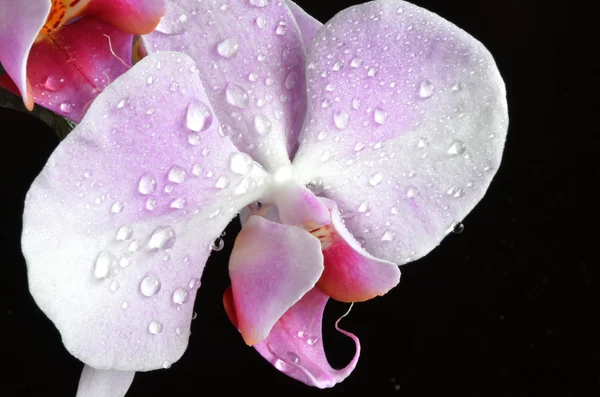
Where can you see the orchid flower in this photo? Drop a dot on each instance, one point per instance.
(62, 53)
(365, 141)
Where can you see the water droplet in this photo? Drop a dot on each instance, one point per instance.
(194, 315)
(363, 207)
(356, 62)
(341, 119)
(65, 107)
(380, 116)
(458, 228)
(177, 174)
(337, 66)
(125, 261)
(104, 266)
(412, 192)
(455, 192)
(262, 124)
(240, 163)
(87, 174)
(301, 334)
(125, 305)
(245, 185)
(197, 169)
(228, 48)
(217, 244)
(388, 236)
(426, 89)
(117, 207)
(150, 285)
(54, 84)
(147, 184)
(293, 357)
(356, 102)
(322, 135)
(372, 72)
(259, 3)
(162, 238)
(222, 182)
(456, 87)
(121, 104)
(423, 143)
(155, 327)
(375, 179)
(291, 80)
(236, 96)
(134, 246)
(457, 148)
(194, 283)
(180, 296)
(359, 146)
(261, 22)
(178, 203)
(316, 186)
(198, 117)
(167, 365)
(150, 80)
(281, 29)
(312, 340)
(150, 204)
(114, 285)
(124, 233)
(174, 86)
(325, 156)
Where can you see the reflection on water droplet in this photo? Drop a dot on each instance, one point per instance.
(162, 238)
(228, 48)
(65, 107)
(356, 62)
(341, 119)
(240, 163)
(412, 192)
(388, 236)
(177, 174)
(125, 305)
(291, 80)
(356, 102)
(124, 233)
(150, 204)
(380, 116)
(236, 96)
(222, 182)
(117, 207)
(180, 296)
(150, 285)
(178, 203)
(105, 262)
(167, 365)
(312, 340)
(293, 357)
(114, 285)
(458, 228)
(281, 29)
(217, 244)
(316, 186)
(261, 22)
(54, 84)
(375, 179)
(262, 124)
(198, 117)
(457, 148)
(259, 3)
(147, 184)
(155, 327)
(194, 283)
(426, 89)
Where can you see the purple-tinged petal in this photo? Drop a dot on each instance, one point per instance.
(253, 68)
(20, 23)
(308, 25)
(295, 344)
(351, 274)
(119, 224)
(271, 267)
(104, 383)
(405, 127)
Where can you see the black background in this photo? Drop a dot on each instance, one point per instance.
(510, 307)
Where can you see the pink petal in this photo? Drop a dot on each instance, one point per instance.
(119, 224)
(254, 69)
(131, 16)
(308, 25)
(298, 206)
(68, 70)
(351, 274)
(295, 344)
(104, 383)
(20, 23)
(271, 267)
(408, 122)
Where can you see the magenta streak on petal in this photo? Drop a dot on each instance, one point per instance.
(294, 345)
(20, 23)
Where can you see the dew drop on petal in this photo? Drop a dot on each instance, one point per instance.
(222, 182)
(293, 357)
(291, 80)
(261, 22)
(150, 285)
(180, 296)
(162, 238)
(198, 117)
(167, 365)
(65, 107)
(341, 119)
(117, 207)
(104, 264)
(217, 244)
(426, 89)
(312, 340)
(178, 203)
(125, 305)
(194, 283)
(228, 48)
(388, 236)
(356, 102)
(262, 124)
(259, 3)
(155, 327)
(177, 174)
(457, 148)
(114, 285)
(356, 62)
(412, 192)
(124, 233)
(147, 184)
(237, 96)
(375, 179)
(240, 163)
(380, 116)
